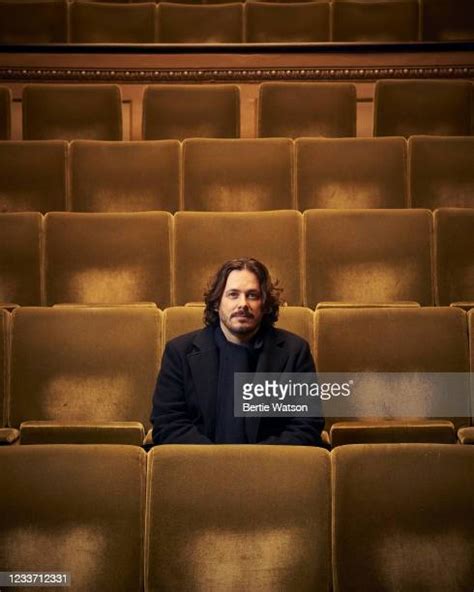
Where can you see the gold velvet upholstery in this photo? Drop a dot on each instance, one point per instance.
(77, 509)
(4, 346)
(414, 107)
(441, 172)
(205, 240)
(238, 518)
(108, 258)
(125, 176)
(403, 518)
(447, 20)
(75, 372)
(368, 256)
(240, 175)
(20, 277)
(70, 112)
(375, 21)
(289, 22)
(307, 109)
(345, 173)
(201, 111)
(454, 230)
(385, 340)
(5, 113)
(99, 22)
(33, 176)
(33, 22)
(217, 23)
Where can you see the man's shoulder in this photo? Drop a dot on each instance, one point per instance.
(187, 342)
(288, 338)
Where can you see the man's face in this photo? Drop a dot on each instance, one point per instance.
(240, 308)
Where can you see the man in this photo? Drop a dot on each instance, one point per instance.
(193, 399)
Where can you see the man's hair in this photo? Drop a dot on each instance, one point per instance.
(270, 292)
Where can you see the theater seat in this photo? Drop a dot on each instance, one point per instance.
(83, 375)
(5, 112)
(466, 434)
(441, 172)
(445, 20)
(124, 176)
(20, 277)
(375, 21)
(402, 362)
(417, 107)
(307, 109)
(238, 518)
(33, 176)
(239, 175)
(403, 518)
(33, 22)
(71, 112)
(368, 256)
(179, 111)
(286, 22)
(218, 23)
(203, 241)
(454, 234)
(108, 258)
(7, 435)
(349, 173)
(75, 509)
(102, 22)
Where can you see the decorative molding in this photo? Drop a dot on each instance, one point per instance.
(146, 76)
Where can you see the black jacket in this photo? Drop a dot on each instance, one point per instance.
(184, 401)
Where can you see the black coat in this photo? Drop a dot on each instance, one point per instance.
(184, 401)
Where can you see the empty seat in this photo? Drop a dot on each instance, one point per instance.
(368, 256)
(33, 176)
(83, 375)
(20, 275)
(305, 109)
(351, 173)
(441, 172)
(375, 21)
(241, 175)
(124, 176)
(466, 434)
(289, 22)
(178, 112)
(447, 20)
(414, 107)
(414, 513)
(77, 509)
(83, 111)
(4, 341)
(218, 23)
(203, 241)
(5, 113)
(108, 258)
(397, 358)
(99, 22)
(198, 497)
(454, 232)
(33, 22)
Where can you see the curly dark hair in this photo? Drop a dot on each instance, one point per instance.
(270, 291)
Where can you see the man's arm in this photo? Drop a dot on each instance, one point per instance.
(170, 415)
(303, 431)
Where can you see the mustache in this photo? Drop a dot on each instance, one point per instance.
(242, 313)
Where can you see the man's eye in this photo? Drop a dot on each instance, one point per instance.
(254, 296)
(232, 294)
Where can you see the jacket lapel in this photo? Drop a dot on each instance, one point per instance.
(204, 365)
(273, 358)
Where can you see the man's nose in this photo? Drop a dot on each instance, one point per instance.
(242, 302)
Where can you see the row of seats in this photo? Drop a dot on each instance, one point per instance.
(236, 174)
(57, 21)
(237, 518)
(358, 256)
(79, 374)
(285, 109)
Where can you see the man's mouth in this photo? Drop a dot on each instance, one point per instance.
(242, 315)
